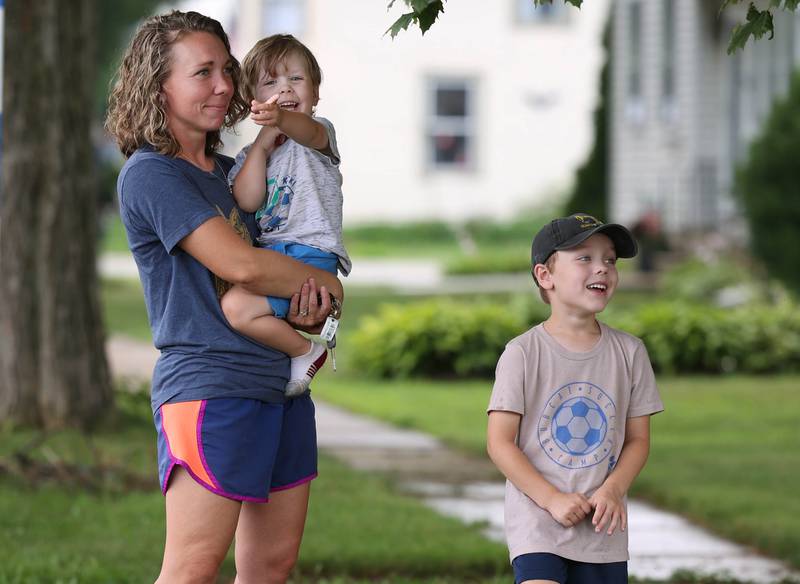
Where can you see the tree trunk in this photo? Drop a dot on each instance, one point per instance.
(53, 368)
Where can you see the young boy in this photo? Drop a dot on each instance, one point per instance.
(569, 415)
(290, 177)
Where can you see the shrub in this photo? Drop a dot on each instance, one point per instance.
(435, 338)
(685, 338)
(695, 279)
(445, 338)
(768, 187)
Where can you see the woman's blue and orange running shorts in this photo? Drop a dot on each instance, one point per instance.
(238, 448)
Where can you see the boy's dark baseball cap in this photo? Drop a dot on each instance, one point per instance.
(568, 232)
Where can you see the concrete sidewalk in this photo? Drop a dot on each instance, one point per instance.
(470, 488)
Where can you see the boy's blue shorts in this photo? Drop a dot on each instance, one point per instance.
(238, 448)
(312, 256)
(543, 566)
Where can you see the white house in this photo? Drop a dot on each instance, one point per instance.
(684, 111)
(489, 112)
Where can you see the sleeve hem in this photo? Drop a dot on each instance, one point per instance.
(645, 411)
(502, 408)
(171, 242)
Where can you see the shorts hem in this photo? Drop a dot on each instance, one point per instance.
(302, 481)
(206, 486)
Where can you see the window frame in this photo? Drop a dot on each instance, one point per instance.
(441, 125)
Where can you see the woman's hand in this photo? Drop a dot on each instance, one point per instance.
(308, 309)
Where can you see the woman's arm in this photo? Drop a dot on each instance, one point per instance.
(215, 245)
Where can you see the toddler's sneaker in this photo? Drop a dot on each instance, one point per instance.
(304, 368)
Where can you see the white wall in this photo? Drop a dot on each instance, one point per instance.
(536, 88)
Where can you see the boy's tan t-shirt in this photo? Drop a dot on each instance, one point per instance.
(574, 407)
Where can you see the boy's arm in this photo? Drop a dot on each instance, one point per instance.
(567, 509)
(608, 499)
(298, 126)
(250, 184)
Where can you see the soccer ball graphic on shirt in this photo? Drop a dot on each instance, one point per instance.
(579, 425)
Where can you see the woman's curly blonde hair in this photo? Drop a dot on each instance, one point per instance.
(136, 114)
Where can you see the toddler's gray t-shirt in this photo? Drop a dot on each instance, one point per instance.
(574, 408)
(304, 197)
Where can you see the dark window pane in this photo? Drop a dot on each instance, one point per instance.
(635, 55)
(451, 102)
(450, 150)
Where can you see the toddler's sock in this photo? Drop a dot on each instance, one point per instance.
(304, 368)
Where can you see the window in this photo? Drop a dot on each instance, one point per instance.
(668, 51)
(635, 103)
(668, 47)
(526, 12)
(283, 16)
(635, 52)
(450, 136)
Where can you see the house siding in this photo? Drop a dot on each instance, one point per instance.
(683, 165)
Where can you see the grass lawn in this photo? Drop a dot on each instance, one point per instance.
(124, 310)
(113, 237)
(726, 452)
(358, 528)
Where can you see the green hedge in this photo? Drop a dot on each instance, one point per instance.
(435, 338)
(447, 338)
(684, 338)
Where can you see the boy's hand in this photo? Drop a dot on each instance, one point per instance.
(568, 509)
(269, 138)
(609, 508)
(266, 113)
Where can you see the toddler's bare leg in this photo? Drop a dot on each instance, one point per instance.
(251, 315)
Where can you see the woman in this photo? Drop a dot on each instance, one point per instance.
(228, 440)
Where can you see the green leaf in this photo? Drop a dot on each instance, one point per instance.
(401, 23)
(429, 15)
(759, 23)
(419, 6)
(791, 4)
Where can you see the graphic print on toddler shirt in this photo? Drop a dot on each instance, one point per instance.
(577, 427)
(274, 213)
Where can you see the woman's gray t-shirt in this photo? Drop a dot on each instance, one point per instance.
(162, 200)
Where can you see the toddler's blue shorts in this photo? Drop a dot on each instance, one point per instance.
(312, 256)
(238, 448)
(543, 566)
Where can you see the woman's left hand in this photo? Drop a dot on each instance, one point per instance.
(309, 308)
